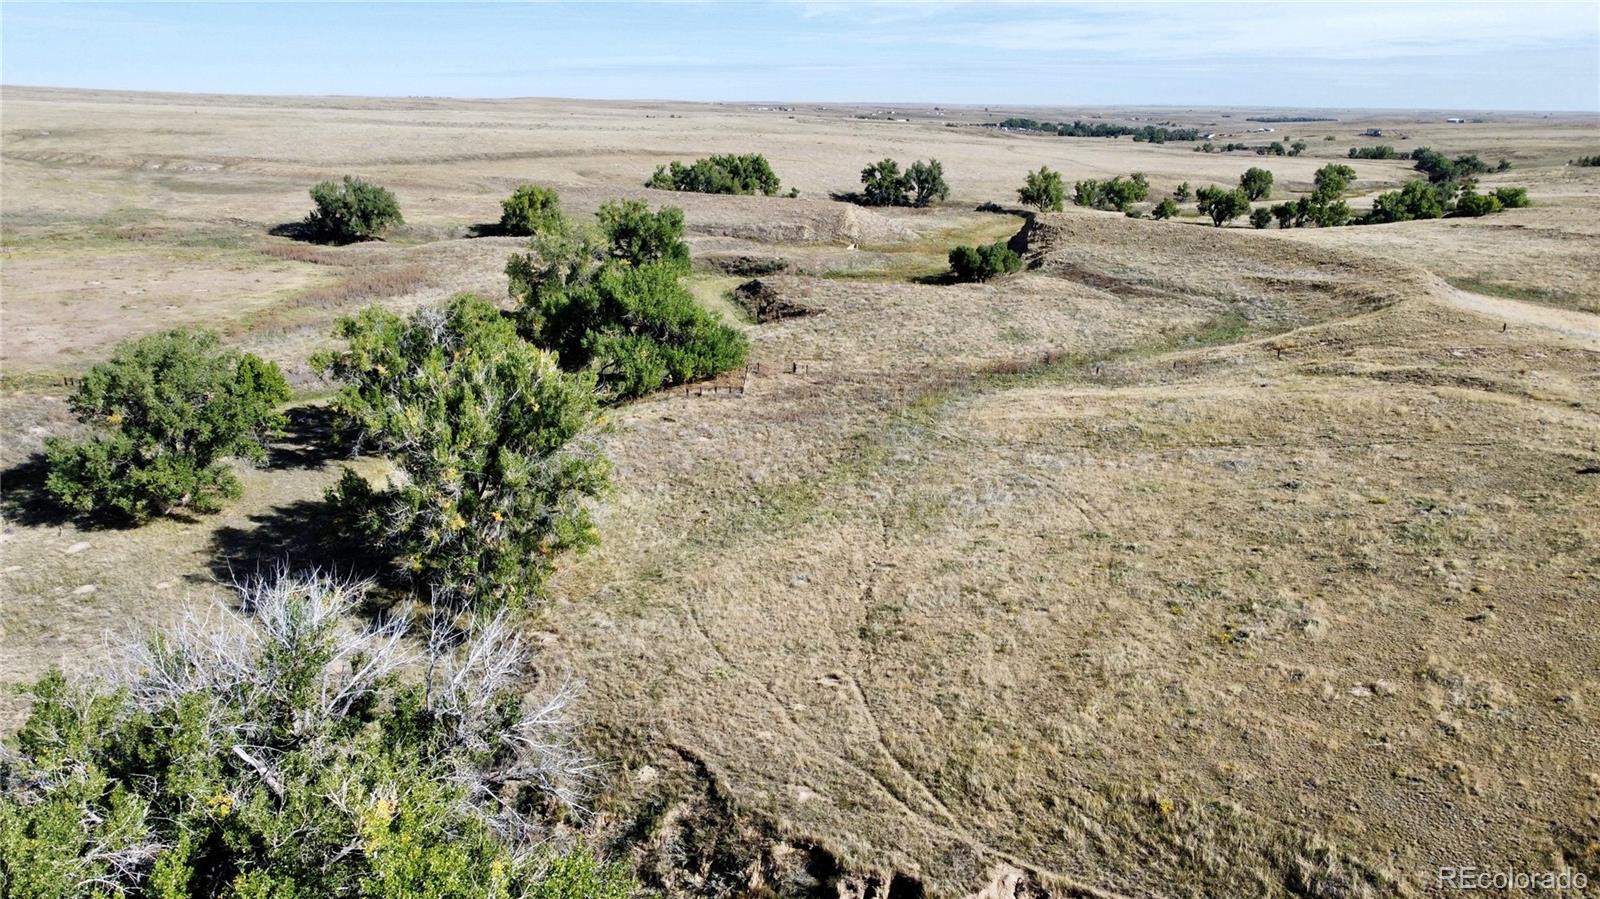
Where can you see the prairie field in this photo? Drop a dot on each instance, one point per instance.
(1187, 561)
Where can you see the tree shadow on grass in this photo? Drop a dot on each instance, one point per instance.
(294, 231)
(25, 501)
(295, 536)
(308, 440)
(304, 233)
(488, 229)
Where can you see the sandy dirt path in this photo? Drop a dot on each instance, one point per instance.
(1570, 323)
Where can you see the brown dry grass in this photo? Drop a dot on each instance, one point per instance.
(1188, 562)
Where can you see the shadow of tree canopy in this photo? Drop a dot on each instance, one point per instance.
(304, 233)
(308, 439)
(24, 499)
(296, 536)
(489, 229)
(294, 231)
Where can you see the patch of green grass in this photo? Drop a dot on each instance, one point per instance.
(1229, 327)
(901, 268)
(926, 258)
(714, 293)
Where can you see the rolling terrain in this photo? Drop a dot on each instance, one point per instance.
(1186, 562)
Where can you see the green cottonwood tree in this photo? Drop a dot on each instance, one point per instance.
(170, 407)
(1221, 205)
(1418, 199)
(1256, 183)
(637, 328)
(883, 184)
(927, 183)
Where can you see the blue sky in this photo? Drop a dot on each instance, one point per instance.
(1440, 55)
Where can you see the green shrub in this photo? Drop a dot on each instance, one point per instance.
(749, 173)
(1043, 190)
(531, 210)
(172, 407)
(1119, 193)
(1284, 213)
(492, 441)
(1512, 197)
(294, 757)
(1440, 168)
(637, 236)
(983, 262)
(1182, 193)
(1166, 209)
(1221, 205)
(617, 307)
(351, 210)
(1586, 161)
(1416, 200)
(1256, 183)
(1260, 218)
(638, 328)
(1471, 205)
(1381, 152)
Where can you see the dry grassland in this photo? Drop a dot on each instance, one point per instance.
(1187, 562)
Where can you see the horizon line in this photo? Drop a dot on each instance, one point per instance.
(906, 103)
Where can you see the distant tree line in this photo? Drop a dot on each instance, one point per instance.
(1276, 148)
(1277, 119)
(1586, 161)
(1380, 152)
(1156, 134)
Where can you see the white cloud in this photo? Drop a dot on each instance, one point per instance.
(1159, 31)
